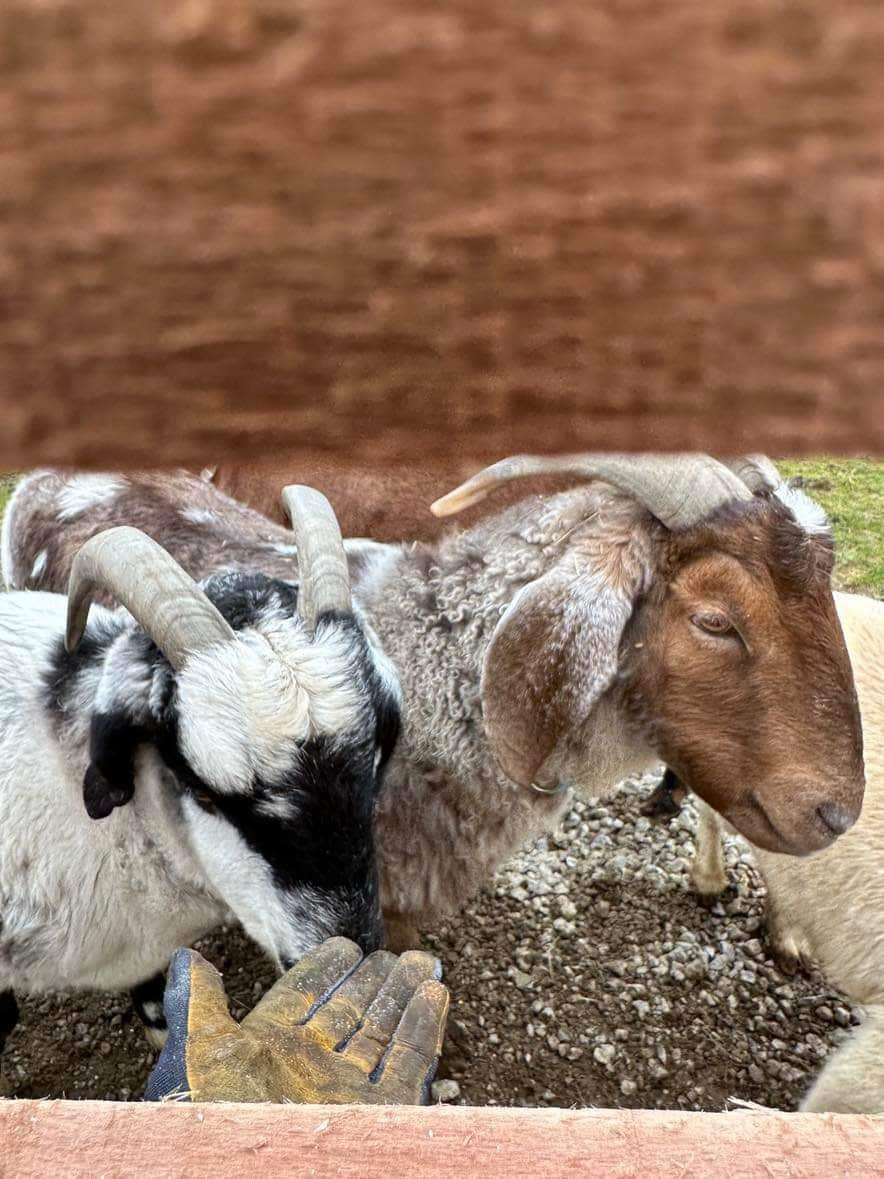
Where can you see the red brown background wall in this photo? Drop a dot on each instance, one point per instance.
(453, 229)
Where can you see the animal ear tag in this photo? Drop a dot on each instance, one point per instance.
(557, 788)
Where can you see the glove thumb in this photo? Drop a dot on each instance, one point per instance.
(195, 1006)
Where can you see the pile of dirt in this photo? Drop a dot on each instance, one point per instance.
(586, 974)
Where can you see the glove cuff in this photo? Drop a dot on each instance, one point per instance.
(168, 1080)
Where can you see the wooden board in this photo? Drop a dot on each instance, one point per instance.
(381, 232)
(60, 1138)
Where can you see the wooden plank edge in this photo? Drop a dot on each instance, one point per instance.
(79, 1138)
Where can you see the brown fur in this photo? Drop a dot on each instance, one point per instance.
(384, 503)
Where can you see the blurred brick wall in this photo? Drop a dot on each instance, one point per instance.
(439, 226)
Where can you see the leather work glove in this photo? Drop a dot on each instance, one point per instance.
(337, 1028)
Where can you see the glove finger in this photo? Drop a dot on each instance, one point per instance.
(309, 983)
(407, 1071)
(370, 1042)
(335, 1021)
(194, 1005)
(208, 1012)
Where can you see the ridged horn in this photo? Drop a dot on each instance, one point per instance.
(152, 586)
(322, 561)
(757, 472)
(681, 490)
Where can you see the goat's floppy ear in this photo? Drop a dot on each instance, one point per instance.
(109, 780)
(552, 656)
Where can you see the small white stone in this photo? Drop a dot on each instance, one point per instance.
(445, 1090)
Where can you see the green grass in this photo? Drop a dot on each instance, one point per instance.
(7, 482)
(851, 491)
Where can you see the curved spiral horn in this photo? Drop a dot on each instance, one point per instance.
(322, 561)
(757, 472)
(152, 586)
(681, 490)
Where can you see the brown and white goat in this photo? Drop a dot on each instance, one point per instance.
(657, 611)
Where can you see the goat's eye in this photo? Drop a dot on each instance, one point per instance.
(713, 623)
(204, 801)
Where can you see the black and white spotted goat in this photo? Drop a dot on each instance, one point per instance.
(247, 724)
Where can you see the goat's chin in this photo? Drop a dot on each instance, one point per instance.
(752, 821)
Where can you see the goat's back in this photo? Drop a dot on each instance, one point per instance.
(378, 502)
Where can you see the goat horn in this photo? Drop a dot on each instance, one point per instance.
(679, 489)
(153, 587)
(322, 561)
(756, 471)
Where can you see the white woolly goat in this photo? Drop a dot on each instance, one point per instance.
(828, 908)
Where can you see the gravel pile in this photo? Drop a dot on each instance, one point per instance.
(589, 974)
(586, 974)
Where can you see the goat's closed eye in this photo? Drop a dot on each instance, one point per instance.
(204, 801)
(713, 622)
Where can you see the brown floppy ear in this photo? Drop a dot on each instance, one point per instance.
(552, 656)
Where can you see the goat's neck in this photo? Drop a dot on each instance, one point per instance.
(447, 817)
(435, 621)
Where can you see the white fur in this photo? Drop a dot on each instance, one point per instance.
(830, 906)
(243, 708)
(197, 516)
(39, 566)
(808, 514)
(82, 492)
(72, 890)
(156, 1037)
(21, 492)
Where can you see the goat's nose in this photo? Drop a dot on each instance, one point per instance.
(836, 818)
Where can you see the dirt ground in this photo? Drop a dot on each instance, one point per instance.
(586, 974)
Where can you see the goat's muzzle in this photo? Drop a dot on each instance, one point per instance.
(804, 822)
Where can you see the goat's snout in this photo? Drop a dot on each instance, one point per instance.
(836, 819)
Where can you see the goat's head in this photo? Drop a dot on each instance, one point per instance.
(710, 622)
(279, 716)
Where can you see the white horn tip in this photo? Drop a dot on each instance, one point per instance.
(455, 501)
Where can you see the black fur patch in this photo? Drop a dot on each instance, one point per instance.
(242, 597)
(150, 993)
(9, 1015)
(109, 781)
(327, 844)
